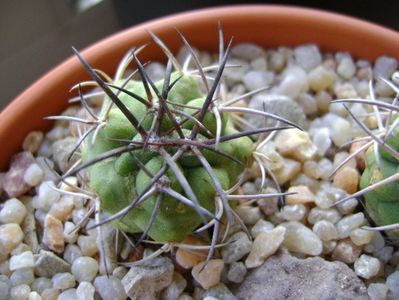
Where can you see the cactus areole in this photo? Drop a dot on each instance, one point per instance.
(159, 154)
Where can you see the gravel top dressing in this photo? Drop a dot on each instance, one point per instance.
(309, 248)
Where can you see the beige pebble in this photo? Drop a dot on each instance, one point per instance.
(361, 236)
(189, 258)
(50, 294)
(53, 234)
(311, 169)
(290, 170)
(372, 122)
(265, 245)
(345, 91)
(302, 195)
(346, 251)
(321, 78)
(360, 157)
(301, 239)
(11, 236)
(347, 179)
(63, 208)
(88, 245)
(209, 275)
(32, 141)
(296, 144)
(340, 157)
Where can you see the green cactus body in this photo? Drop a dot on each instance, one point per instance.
(382, 203)
(118, 180)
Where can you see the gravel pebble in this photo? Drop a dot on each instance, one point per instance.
(13, 211)
(257, 79)
(50, 294)
(22, 276)
(261, 226)
(302, 195)
(290, 170)
(346, 251)
(377, 291)
(88, 245)
(296, 144)
(46, 196)
(247, 51)
(34, 296)
(174, 290)
(11, 236)
(148, 278)
(69, 294)
(32, 141)
(63, 281)
(347, 179)
(321, 139)
(5, 286)
(47, 264)
(33, 175)
(62, 209)
(347, 224)
(85, 291)
(325, 230)
(393, 283)
(308, 56)
(321, 78)
(53, 234)
(19, 292)
(13, 181)
(110, 288)
(236, 272)
(265, 245)
(209, 275)
(294, 212)
(346, 68)
(187, 258)
(299, 238)
(237, 246)
(367, 266)
(361, 236)
(341, 132)
(40, 284)
(84, 268)
(23, 260)
(294, 82)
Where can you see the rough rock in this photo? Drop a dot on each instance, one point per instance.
(238, 246)
(13, 181)
(47, 264)
(220, 292)
(279, 105)
(148, 278)
(286, 277)
(174, 290)
(61, 152)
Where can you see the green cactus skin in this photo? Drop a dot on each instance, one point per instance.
(382, 204)
(118, 180)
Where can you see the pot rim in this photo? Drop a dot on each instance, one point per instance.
(33, 103)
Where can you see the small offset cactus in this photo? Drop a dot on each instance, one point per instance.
(379, 182)
(165, 157)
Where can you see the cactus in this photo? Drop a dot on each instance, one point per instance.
(163, 158)
(379, 183)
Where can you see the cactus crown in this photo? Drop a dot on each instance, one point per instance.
(165, 157)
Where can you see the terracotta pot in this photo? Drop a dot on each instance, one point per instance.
(265, 25)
